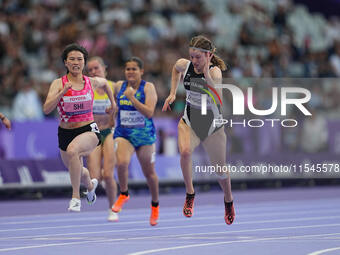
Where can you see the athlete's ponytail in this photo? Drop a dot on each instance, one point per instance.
(217, 61)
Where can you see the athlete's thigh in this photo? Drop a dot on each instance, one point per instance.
(124, 150)
(146, 155)
(84, 143)
(216, 146)
(187, 139)
(64, 157)
(108, 154)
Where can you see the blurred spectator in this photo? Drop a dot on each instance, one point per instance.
(314, 133)
(335, 60)
(27, 105)
(257, 39)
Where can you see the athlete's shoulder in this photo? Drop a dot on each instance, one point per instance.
(150, 90)
(56, 86)
(57, 82)
(149, 84)
(118, 84)
(181, 64)
(94, 79)
(91, 79)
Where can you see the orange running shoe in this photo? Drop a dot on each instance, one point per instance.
(229, 212)
(188, 208)
(122, 199)
(154, 215)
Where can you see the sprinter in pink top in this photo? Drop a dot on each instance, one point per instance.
(76, 105)
(78, 135)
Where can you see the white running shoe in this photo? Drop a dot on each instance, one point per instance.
(112, 216)
(91, 195)
(74, 205)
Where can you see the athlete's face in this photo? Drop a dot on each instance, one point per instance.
(198, 59)
(132, 72)
(75, 62)
(96, 69)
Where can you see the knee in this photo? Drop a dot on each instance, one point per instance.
(72, 151)
(151, 176)
(185, 153)
(107, 177)
(122, 165)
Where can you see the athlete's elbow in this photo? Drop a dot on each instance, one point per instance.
(149, 114)
(46, 110)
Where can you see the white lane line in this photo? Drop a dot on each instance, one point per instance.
(280, 206)
(324, 251)
(204, 234)
(171, 227)
(46, 245)
(211, 216)
(209, 233)
(226, 242)
(238, 231)
(163, 215)
(167, 220)
(163, 249)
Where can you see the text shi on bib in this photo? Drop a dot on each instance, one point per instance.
(75, 105)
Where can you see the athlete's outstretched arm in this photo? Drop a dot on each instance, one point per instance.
(148, 108)
(102, 83)
(54, 95)
(177, 70)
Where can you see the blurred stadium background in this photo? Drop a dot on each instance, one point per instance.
(263, 42)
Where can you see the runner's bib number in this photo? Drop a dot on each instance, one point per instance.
(194, 99)
(131, 119)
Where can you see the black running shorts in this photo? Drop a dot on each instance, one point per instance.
(65, 136)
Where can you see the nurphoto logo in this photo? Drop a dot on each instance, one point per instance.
(239, 100)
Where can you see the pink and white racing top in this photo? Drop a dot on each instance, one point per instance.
(76, 105)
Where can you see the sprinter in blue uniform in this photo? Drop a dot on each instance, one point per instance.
(135, 131)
